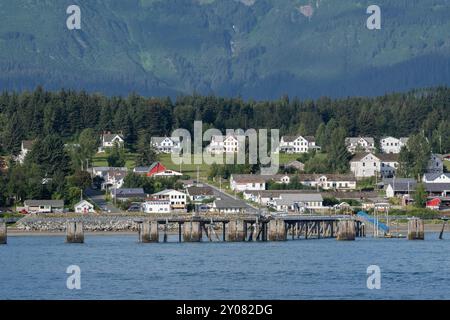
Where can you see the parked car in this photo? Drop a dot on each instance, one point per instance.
(134, 208)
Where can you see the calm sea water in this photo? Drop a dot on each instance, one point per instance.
(117, 267)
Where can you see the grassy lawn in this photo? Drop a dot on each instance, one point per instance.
(100, 160)
(288, 157)
(188, 169)
(447, 165)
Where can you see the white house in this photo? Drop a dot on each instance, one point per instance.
(366, 144)
(166, 144)
(392, 145)
(109, 140)
(156, 206)
(339, 182)
(435, 164)
(228, 205)
(242, 182)
(84, 207)
(297, 202)
(225, 144)
(436, 178)
(369, 165)
(297, 144)
(114, 178)
(176, 198)
(44, 206)
(26, 147)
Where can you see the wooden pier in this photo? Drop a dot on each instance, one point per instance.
(252, 228)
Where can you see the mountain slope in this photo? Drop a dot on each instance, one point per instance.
(253, 48)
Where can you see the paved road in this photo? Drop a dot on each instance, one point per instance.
(99, 199)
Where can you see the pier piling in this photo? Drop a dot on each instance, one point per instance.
(74, 232)
(416, 229)
(346, 230)
(3, 233)
(149, 232)
(236, 230)
(277, 230)
(192, 231)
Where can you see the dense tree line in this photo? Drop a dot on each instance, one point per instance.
(29, 115)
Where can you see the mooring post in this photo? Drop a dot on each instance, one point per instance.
(346, 230)
(149, 232)
(179, 232)
(192, 231)
(166, 227)
(3, 233)
(74, 232)
(224, 231)
(441, 235)
(416, 229)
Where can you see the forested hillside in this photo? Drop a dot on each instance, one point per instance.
(40, 113)
(258, 49)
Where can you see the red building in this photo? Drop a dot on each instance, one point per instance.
(434, 204)
(155, 168)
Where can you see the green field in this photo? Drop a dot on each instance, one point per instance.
(447, 165)
(100, 160)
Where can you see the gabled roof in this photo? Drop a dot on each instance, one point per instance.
(109, 137)
(293, 138)
(37, 203)
(229, 203)
(128, 192)
(159, 140)
(250, 178)
(290, 199)
(434, 176)
(353, 140)
(166, 192)
(84, 202)
(384, 157)
(200, 191)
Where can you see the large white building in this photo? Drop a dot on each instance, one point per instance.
(176, 198)
(156, 206)
(340, 182)
(225, 144)
(366, 144)
(242, 182)
(109, 140)
(392, 145)
(297, 144)
(297, 202)
(166, 144)
(366, 165)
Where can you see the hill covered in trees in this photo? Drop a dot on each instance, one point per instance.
(253, 48)
(40, 113)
